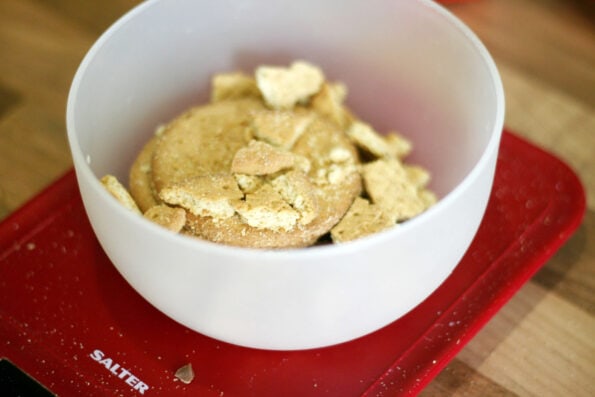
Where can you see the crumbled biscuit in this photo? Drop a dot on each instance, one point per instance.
(266, 209)
(337, 173)
(172, 218)
(364, 136)
(117, 190)
(283, 88)
(260, 158)
(427, 197)
(387, 185)
(232, 86)
(362, 219)
(399, 146)
(340, 155)
(140, 177)
(208, 195)
(280, 128)
(185, 374)
(296, 189)
(248, 183)
(418, 176)
(329, 103)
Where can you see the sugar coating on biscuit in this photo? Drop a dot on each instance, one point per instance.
(232, 86)
(328, 102)
(280, 128)
(364, 136)
(260, 158)
(207, 195)
(399, 146)
(362, 219)
(387, 185)
(266, 209)
(295, 188)
(119, 192)
(172, 218)
(283, 88)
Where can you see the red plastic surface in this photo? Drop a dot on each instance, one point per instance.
(61, 299)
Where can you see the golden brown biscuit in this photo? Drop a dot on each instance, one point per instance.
(140, 181)
(260, 158)
(361, 220)
(171, 218)
(119, 192)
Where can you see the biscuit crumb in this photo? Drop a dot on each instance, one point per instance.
(387, 185)
(232, 86)
(364, 136)
(119, 192)
(185, 374)
(208, 195)
(260, 158)
(296, 189)
(417, 175)
(248, 183)
(283, 88)
(266, 209)
(172, 218)
(280, 128)
(362, 219)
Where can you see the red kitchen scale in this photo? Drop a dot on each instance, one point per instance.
(70, 325)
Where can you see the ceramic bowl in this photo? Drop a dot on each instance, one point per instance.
(409, 65)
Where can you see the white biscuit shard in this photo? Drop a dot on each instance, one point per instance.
(260, 158)
(119, 192)
(208, 195)
(266, 209)
(283, 88)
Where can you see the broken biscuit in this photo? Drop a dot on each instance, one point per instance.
(362, 219)
(364, 136)
(399, 146)
(172, 218)
(296, 189)
(283, 88)
(117, 190)
(387, 185)
(208, 195)
(266, 209)
(329, 103)
(280, 128)
(260, 158)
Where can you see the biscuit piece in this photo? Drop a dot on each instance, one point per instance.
(364, 136)
(361, 219)
(417, 175)
(280, 128)
(185, 374)
(117, 190)
(329, 103)
(260, 158)
(387, 185)
(172, 218)
(207, 195)
(248, 183)
(202, 141)
(140, 181)
(233, 86)
(296, 189)
(399, 146)
(283, 88)
(266, 209)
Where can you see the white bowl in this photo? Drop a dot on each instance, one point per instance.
(408, 64)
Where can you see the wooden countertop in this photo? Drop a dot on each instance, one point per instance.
(542, 342)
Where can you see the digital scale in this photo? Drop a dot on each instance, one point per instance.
(70, 325)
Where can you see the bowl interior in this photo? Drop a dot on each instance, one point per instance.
(408, 65)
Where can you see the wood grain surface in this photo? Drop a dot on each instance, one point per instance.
(542, 343)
